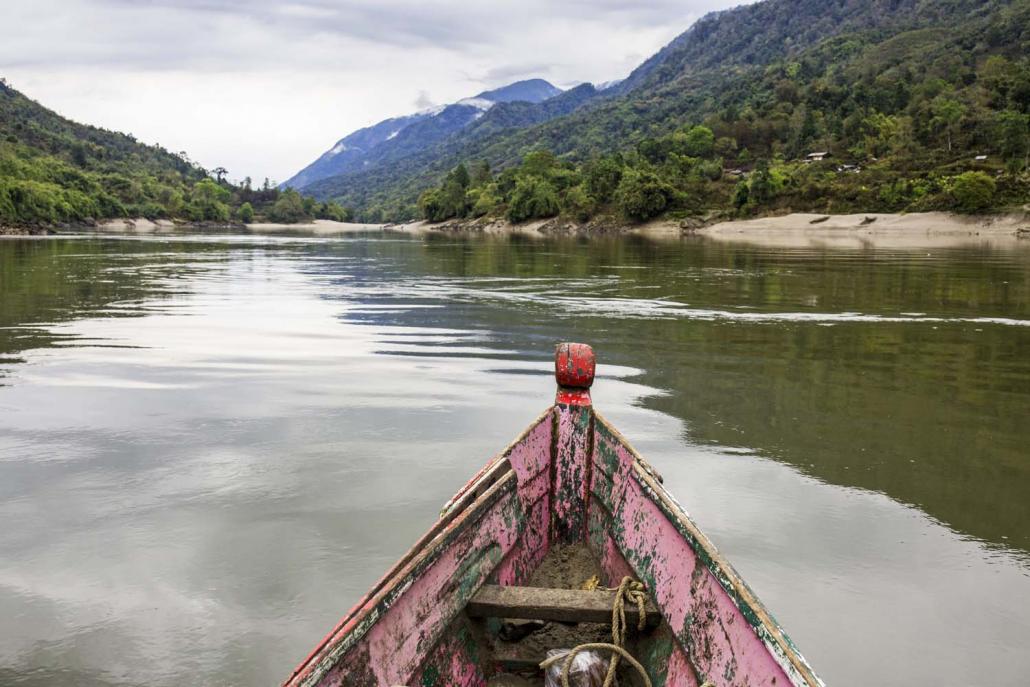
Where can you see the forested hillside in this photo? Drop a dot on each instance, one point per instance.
(820, 105)
(904, 96)
(53, 170)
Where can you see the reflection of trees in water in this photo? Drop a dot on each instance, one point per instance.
(931, 417)
(45, 282)
(931, 414)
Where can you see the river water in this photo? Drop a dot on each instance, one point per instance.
(210, 446)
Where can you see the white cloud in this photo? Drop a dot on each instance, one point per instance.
(263, 87)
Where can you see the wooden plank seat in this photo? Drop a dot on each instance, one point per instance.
(562, 605)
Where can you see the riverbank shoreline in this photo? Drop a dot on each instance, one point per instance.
(892, 230)
(875, 230)
(795, 230)
(140, 225)
(557, 226)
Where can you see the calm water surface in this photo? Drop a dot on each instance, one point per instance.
(210, 446)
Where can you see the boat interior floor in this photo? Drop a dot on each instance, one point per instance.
(521, 624)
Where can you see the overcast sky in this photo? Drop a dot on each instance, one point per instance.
(263, 87)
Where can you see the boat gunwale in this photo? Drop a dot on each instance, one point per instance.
(360, 623)
(462, 510)
(743, 597)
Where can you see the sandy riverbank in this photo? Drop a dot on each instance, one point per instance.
(543, 228)
(873, 230)
(798, 230)
(319, 227)
(142, 225)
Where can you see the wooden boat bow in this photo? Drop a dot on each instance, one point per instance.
(569, 482)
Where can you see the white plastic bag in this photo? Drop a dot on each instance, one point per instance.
(588, 669)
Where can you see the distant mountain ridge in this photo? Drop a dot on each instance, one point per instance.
(401, 136)
(770, 77)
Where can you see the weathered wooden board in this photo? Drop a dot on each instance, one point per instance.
(571, 473)
(530, 458)
(565, 605)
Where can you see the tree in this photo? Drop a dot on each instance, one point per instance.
(533, 198)
(726, 147)
(947, 113)
(760, 187)
(480, 174)
(699, 142)
(430, 206)
(577, 203)
(602, 178)
(1013, 136)
(208, 202)
(460, 176)
(973, 191)
(539, 163)
(652, 150)
(220, 173)
(288, 208)
(246, 213)
(332, 210)
(642, 195)
(485, 201)
(451, 199)
(171, 199)
(741, 194)
(453, 196)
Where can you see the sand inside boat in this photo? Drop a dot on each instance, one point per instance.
(564, 567)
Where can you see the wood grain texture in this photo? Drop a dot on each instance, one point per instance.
(564, 605)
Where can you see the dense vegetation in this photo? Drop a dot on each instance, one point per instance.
(903, 95)
(53, 170)
(919, 105)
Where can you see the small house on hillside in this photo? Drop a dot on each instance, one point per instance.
(980, 158)
(817, 157)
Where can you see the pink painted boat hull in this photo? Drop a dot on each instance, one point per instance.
(569, 478)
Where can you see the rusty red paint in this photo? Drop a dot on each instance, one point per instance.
(568, 477)
(574, 365)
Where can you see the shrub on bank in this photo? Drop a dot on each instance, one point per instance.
(973, 191)
(246, 213)
(642, 195)
(533, 198)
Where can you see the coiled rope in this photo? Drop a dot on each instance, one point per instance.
(628, 590)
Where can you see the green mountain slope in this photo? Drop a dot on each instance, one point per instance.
(54, 170)
(910, 91)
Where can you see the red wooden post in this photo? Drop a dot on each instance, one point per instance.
(574, 365)
(573, 426)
